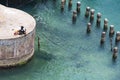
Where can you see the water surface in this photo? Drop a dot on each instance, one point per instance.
(67, 52)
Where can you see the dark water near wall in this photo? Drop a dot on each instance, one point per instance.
(67, 52)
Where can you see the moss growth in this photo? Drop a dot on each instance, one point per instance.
(22, 63)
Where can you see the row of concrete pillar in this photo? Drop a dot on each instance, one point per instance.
(63, 2)
(76, 12)
(90, 13)
(111, 34)
(105, 28)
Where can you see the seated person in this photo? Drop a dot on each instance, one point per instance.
(22, 31)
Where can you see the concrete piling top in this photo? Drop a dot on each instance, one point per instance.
(62, 1)
(103, 34)
(74, 12)
(111, 27)
(92, 11)
(78, 3)
(99, 15)
(118, 33)
(105, 20)
(115, 49)
(88, 8)
(12, 19)
(88, 24)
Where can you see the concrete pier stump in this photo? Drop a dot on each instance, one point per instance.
(105, 27)
(74, 17)
(88, 28)
(111, 31)
(70, 4)
(115, 52)
(16, 47)
(62, 5)
(78, 7)
(92, 15)
(87, 12)
(98, 22)
(102, 37)
(117, 39)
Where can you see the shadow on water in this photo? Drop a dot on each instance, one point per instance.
(44, 55)
(41, 58)
(114, 61)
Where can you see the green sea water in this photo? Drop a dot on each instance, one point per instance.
(66, 51)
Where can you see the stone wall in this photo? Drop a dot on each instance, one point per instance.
(15, 51)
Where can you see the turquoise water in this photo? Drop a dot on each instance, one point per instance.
(67, 52)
